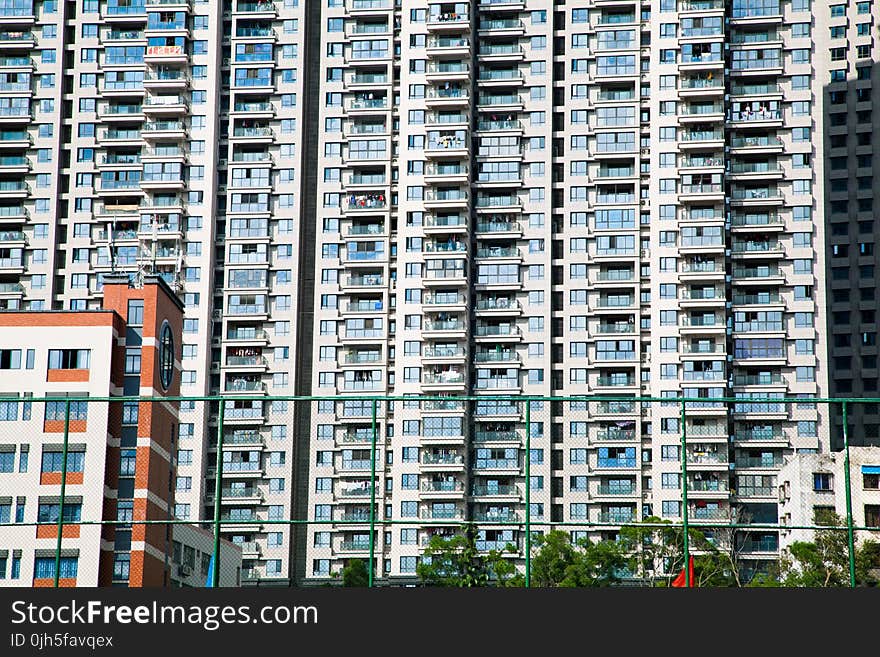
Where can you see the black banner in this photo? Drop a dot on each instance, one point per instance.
(422, 620)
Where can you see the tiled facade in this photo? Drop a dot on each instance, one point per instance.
(499, 197)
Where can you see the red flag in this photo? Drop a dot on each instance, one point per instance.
(680, 581)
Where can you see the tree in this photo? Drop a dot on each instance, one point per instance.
(560, 563)
(355, 574)
(656, 554)
(824, 562)
(456, 561)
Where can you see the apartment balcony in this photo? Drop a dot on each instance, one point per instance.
(708, 460)
(507, 103)
(447, 275)
(120, 187)
(499, 356)
(760, 435)
(441, 514)
(246, 363)
(689, 6)
(762, 89)
(504, 77)
(442, 488)
(11, 115)
(17, 62)
(165, 55)
(609, 383)
(767, 118)
(445, 301)
(498, 27)
(445, 222)
(446, 172)
(497, 306)
(8, 290)
(497, 333)
(12, 261)
(756, 196)
(702, 348)
(448, 45)
(448, 379)
(501, 436)
(617, 518)
(448, 146)
(499, 228)
(701, 112)
(760, 247)
(354, 282)
(12, 189)
(361, 306)
(247, 335)
(759, 379)
(702, 86)
(768, 298)
(501, 5)
(443, 461)
(701, 162)
(454, 354)
(120, 137)
(615, 434)
(703, 139)
(440, 21)
(452, 95)
(443, 70)
(440, 199)
(764, 274)
(755, 170)
(615, 490)
(255, 109)
(703, 512)
(447, 328)
(166, 79)
(700, 192)
(239, 495)
(500, 516)
(16, 39)
(355, 56)
(757, 144)
(768, 461)
(254, 10)
(614, 328)
(13, 238)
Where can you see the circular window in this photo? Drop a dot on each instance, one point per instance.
(166, 355)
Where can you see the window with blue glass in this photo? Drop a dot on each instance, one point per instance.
(44, 567)
(617, 457)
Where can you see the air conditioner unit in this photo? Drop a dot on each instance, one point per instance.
(217, 314)
(183, 570)
(226, 61)
(215, 342)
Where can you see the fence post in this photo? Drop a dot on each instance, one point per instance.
(851, 543)
(528, 541)
(218, 491)
(375, 439)
(684, 497)
(63, 491)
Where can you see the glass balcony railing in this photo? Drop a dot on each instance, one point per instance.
(497, 435)
(756, 142)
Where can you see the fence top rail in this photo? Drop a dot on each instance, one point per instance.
(462, 398)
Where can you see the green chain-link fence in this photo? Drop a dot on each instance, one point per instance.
(289, 490)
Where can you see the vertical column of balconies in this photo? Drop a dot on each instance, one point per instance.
(119, 143)
(165, 133)
(771, 242)
(604, 252)
(258, 154)
(502, 257)
(445, 263)
(17, 107)
(355, 277)
(701, 242)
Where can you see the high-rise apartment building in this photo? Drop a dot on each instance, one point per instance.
(499, 197)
